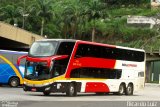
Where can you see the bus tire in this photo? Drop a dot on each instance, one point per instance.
(121, 90)
(46, 93)
(129, 89)
(71, 90)
(14, 82)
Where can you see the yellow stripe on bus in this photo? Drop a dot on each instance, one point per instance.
(13, 67)
(61, 78)
(26, 81)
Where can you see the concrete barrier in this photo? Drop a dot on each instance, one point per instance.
(17, 34)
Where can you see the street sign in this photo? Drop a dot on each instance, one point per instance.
(140, 20)
(143, 20)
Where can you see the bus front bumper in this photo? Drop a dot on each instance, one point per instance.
(37, 89)
(52, 87)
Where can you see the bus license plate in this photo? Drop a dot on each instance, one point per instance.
(33, 89)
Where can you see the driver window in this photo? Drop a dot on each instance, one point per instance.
(59, 67)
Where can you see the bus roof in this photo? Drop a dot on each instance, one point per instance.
(94, 43)
(12, 52)
(61, 40)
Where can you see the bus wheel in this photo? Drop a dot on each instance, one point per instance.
(14, 82)
(71, 91)
(121, 89)
(129, 89)
(46, 93)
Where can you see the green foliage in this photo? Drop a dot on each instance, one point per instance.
(10, 13)
(78, 19)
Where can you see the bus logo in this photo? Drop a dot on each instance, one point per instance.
(129, 65)
(77, 63)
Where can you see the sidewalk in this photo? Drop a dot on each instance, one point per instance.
(152, 85)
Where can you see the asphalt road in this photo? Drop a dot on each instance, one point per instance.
(16, 96)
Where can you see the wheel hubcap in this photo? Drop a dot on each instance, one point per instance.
(72, 89)
(129, 89)
(14, 83)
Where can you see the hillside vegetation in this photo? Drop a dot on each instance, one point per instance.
(93, 20)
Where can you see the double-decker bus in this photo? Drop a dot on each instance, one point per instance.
(71, 66)
(10, 73)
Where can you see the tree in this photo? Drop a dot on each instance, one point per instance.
(10, 14)
(44, 10)
(72, 12)
(94, 11)
(25, 10)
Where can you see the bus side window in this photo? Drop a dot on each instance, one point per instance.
(8, 57)
(79, 52)
(82, 50)
(86, 50)
(75, 73)
(1, 61)
(101, 73)
(14, 58)
(118, 74)
(141, 74)
(65, 48)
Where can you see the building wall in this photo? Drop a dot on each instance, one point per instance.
(152, 71)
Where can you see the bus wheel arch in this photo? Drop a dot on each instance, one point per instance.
(14, 81)
(72, 89)
(129, 89)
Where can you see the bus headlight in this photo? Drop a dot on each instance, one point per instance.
(46, 84)
(47, 89)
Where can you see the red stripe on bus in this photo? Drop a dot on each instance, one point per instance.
(96, 87)
(93, 62)
(90, 62)
(48, 60)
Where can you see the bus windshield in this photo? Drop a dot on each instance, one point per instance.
(43, 48)
(37, 71)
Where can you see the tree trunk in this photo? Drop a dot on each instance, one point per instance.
(42, 26)
(65, 31)
(75, 28)
(93, 34)
(74, 31)
(93, 31)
